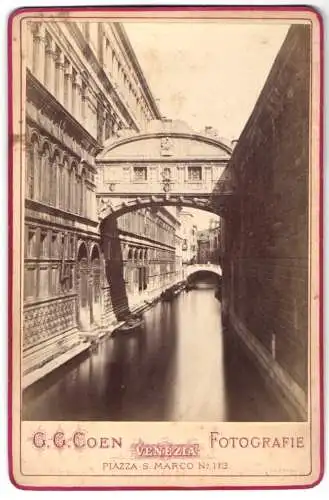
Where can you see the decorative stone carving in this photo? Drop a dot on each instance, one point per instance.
(104, 205)
(47, 320)
(166, 146)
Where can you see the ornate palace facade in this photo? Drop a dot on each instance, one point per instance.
(84, 86)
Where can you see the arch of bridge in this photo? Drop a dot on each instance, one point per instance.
(117, 207)
(195, 268)
(165, 166)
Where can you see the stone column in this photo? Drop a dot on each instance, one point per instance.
(30, 47)
(78, 96)
(83, 103)
(86, 98)
(37, 174)
(74, 95)
(60, 179)
(50, 62)
(59, 67)
(52, 75)
(68, 85)
(38, 63)
(181, 175)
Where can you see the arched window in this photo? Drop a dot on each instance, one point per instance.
(45, 173)
(54, 167)
(70, 184)
(96, 274)
(32, 166)
(76, 185)
(60, 185)
(77, 193)
(82, 193)
(29, 185)
(73, 197)
(83, 275)
(66, 185)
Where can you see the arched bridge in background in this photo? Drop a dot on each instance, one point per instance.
(188, 271)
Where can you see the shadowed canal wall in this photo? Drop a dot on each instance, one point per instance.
(265, 268)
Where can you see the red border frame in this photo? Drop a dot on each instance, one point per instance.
(167, 8)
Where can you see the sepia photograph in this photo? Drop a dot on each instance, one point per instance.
(165, 196)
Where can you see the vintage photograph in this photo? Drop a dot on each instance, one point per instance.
(166, 226)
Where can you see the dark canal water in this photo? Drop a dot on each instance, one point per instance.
(180, 368)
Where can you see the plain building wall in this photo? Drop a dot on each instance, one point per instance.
(265, 293)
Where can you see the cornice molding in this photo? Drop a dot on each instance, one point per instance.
(37, 93)
(154, 135)
(41, 207)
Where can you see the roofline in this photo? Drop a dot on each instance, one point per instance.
(182, 135)
(163, 160)
(137, 67)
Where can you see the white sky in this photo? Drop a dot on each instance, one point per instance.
(207, 73)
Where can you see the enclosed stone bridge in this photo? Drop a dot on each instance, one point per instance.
(168, 165)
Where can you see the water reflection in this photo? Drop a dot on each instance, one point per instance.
(175, 369)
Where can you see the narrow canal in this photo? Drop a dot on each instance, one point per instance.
(176, 369)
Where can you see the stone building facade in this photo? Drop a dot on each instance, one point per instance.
(84, 86)
(209, 243)
(189, 236)
(139, 251)
(266, 226)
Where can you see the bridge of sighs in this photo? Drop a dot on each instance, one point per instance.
(169, 164)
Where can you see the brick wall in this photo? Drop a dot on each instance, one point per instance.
(266, 227)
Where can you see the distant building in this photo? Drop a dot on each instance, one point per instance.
(203, 246)
(209, 243)
(189, 237)
(179, 247)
